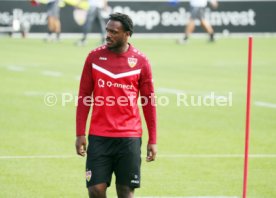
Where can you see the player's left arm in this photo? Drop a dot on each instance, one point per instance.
(149, 109)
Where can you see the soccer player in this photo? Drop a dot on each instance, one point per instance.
(54, 25)
(114, 75)
(197, 12)
(94, 13)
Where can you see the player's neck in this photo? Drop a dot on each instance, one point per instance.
(122, 49)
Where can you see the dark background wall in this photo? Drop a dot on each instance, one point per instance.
(155, 17)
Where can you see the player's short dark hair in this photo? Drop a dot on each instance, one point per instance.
(124, 19)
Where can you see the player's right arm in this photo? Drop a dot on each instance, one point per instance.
(84, 103)
(214, 4)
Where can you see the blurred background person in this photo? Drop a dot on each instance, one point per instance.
(95, 12)
(197, 10)
(54, 25)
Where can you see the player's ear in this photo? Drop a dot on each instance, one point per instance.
(128, 33)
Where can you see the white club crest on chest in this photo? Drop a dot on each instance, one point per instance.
(132, 61)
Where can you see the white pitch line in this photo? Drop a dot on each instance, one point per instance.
(159, 156)
(38, 156)
(170, 91)
(40, 93)
(187, 197)
(34, 93)
(51, 73)
(265, 104)
(15, 68)
(216, 156)
(77, 77)
(164, 90)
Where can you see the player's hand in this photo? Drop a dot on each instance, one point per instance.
(81, 145)
(151, 152)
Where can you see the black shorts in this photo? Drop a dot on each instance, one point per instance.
(106, 155)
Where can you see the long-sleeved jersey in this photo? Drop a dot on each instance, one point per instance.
(111, 84)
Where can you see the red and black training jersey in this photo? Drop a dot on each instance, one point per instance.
(111, 84)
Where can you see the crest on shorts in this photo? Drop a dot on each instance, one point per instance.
(132, 61)
(88, 175)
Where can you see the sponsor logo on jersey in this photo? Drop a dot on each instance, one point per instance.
(101, 83)
(132, 61)
(88, 175)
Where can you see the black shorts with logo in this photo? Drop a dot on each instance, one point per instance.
(106, 155)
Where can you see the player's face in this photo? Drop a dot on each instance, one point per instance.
(116, 36)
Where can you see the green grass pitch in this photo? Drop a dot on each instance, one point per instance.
(200, 147)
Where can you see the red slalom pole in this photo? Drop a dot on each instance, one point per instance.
(247, 124)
